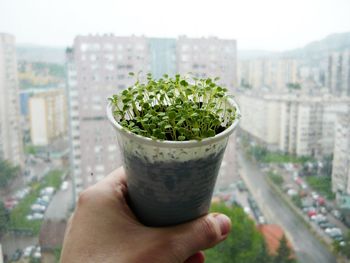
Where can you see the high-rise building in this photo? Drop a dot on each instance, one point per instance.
(11, 146)
(271, 73)
(163, 56)
(338, 73)
(48, 116)
(300, 125)
(341, 160)
(208, 57)
(98, 67)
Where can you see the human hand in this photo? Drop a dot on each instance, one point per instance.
(104, 229)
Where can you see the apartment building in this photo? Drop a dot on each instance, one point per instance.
(338, 73)
(300, 125)
(47, 116)
(98, 67)
(208, 57)
(341, 159)
(11, 146)
(271, 73)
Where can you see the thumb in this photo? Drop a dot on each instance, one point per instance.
(200, 234)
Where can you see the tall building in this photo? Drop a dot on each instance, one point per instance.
(338, 73)
(271, 73)
(341, 160)
(300, 125)
(162, 56)
(98, 67)
(48, 116)
(11, 146)
(208, 57)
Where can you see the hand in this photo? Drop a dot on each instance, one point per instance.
(104, 229)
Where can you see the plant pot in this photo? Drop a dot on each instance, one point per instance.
(170, 182)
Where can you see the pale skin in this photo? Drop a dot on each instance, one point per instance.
(103, 229)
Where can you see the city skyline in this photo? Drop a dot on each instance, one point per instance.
(270, 25)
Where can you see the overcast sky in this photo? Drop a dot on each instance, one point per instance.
(255, 24)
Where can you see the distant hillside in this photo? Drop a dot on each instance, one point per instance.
(332, 43)
(312, 52)
(36, 53)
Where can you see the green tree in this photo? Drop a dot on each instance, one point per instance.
(284, 254)
(4, 218)
(7, 172)
(343, 247)
(243, 245)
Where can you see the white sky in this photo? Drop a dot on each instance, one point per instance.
(256, 24)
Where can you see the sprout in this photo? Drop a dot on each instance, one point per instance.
(175, 109)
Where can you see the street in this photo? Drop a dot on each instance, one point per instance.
(308, 249)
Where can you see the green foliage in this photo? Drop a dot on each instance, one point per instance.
(30, 149)
(7, 172)
(4, 218)
(345, 248)
(263, 155)
(284, 254)
(321, 184)
(175, 109)
(57, 253)
(293, 86)
(297, 201)
(243, 245)
(18, 214)
(276, 178)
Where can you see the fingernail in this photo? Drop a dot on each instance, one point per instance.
(224, 223)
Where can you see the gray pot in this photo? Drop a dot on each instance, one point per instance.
(170, 182)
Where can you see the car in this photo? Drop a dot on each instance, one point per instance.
(325, 225)
(292, 192)
(17, 255)
(37, 253)
(38, 208)
(64, 185)
(28, 251)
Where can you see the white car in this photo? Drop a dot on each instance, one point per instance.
(37, 253)
(64, 185)
(28, 251)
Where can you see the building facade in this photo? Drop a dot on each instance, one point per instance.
(338, 73)
(162, 56)
(208, 57)
(98, 67)
(270, 73)
(300, 125)
(11, 146)
(47, 116)
(341, 159)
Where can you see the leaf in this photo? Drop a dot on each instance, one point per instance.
(181, 138)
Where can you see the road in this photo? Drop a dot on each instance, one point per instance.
(308, 248)
(60, 204)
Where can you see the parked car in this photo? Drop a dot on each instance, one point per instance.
(37, 253)
(64, 185)
(27, 252)
(17, 255)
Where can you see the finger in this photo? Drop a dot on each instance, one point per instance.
(199, 257)
(198, 235)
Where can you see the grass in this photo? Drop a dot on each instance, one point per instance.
(263, 155)
(18, 214)
(276, 178)
(322, 185)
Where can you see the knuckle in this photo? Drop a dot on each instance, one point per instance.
(85, 196)
(209, 230)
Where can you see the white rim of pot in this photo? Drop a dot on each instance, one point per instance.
(174, 144)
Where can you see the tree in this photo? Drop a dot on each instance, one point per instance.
(284, 254)
(4, 218)
(7, 172)
(243, 245)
